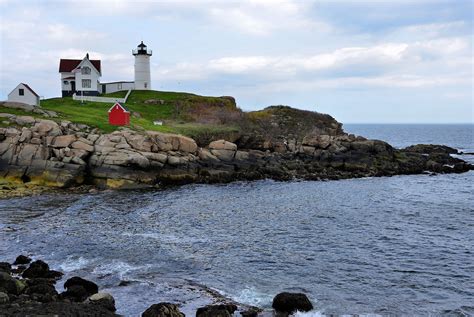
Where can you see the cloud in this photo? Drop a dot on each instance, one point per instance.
(384, 57)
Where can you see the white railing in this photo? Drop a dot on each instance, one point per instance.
(101, 99)
(147, 51)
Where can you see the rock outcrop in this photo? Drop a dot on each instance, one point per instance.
(163, 310)
(47, 153)
(35, 294)
(288, 303)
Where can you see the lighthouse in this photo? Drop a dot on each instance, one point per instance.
(142, 67)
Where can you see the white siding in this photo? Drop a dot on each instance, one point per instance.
(116, 86)
(66, 87)
(28, 97)
(142, 72)
(93, 76)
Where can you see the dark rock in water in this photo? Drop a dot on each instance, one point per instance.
(7, 283)
(5, 267)
(4, 298)
(75, 293)
(430, 148)
(52, 274)
(223, 310)
(39, 280)
(249, 313)
(90, 287)
(10, 285)
(55, 309)
(22, 259)
(19, 269)
(291, 302)
(36, 269)
(42, 292)
(163, 310)
(103, 299)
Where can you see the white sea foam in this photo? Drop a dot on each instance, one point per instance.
(315, 313)
(117, 267)
(165, 237)
(73, 264)
(308, 314)
(251, 296)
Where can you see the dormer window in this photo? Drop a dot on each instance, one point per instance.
(85, 70)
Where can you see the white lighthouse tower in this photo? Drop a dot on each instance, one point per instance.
(142, 67)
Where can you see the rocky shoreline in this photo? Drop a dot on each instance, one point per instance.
(36, 154)
(28, 288)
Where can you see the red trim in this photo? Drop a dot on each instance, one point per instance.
(117, 103)
(68, 65)
(29, 88)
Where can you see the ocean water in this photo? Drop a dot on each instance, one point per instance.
(376, 246)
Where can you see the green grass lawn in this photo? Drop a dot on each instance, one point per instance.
(95, 114)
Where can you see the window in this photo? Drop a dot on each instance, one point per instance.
(85, 70)
(66, 82)
(119, 86)
(21, 92)
(86, 83)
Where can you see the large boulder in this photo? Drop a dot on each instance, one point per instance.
(36, 269)
(25, 120)
(318, 141)
(5, 267)
(22, 259)
(126, 158)
(4, 298)
(223, 150)
(430, 148)
(223, 310)
(173, 142)
(102, 299)
(47, 127)
(163, 310)
(63, 140)
(222, 145)
(75, 293)
(83, 145)
(90, 287)
(288, 303)
(7, 284)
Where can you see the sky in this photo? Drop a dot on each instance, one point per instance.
(395, 61)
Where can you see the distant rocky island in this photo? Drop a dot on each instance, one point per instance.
(279, 143)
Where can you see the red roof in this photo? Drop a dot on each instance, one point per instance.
(29, 88)
(68, 65)
(124, 109)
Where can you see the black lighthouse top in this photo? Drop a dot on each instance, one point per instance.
(142, 50)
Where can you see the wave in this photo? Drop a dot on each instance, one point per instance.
(74, 263)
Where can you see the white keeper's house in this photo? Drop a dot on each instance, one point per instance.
(82, 77)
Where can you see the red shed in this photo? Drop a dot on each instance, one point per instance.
(119, 115)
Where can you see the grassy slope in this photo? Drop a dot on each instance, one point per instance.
(95, 114)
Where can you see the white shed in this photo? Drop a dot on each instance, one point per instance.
(24, 94)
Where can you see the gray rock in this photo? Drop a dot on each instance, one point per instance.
(82, 145)
(4, 298)
(222, 145)
(102, 299)
(163, 310)
(25, 120)
(63, 140)
(224, 155)
(288, 303)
